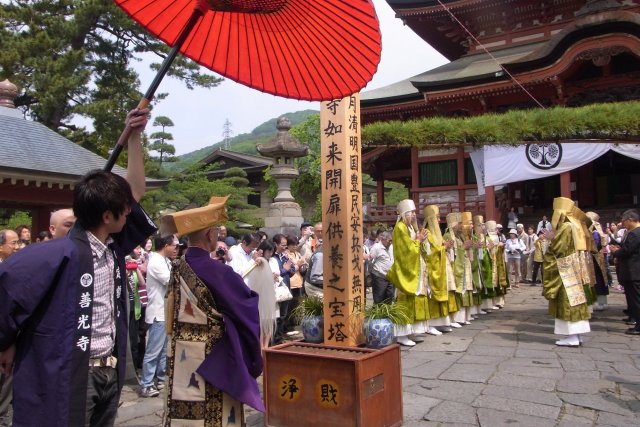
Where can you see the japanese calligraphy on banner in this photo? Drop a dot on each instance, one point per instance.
(341, 177)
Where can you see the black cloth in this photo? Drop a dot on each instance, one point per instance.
(382, 289)
(102, 397)
(628, 257)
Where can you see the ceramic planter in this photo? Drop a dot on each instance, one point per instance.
(313, 329)
(379, 333)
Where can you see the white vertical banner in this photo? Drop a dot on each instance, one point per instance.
(477, 158)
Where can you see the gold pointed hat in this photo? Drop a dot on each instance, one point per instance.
(453, 219)
(466, 218)
(478, 220)
(432, 221)
(432, 211)
(561, 206)
(190, 220)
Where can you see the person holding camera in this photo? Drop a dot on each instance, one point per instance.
(222, 253)
(514, 249)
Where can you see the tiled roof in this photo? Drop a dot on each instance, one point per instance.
(465, 68)
(30, 146)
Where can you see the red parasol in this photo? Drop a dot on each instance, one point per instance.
(303, 49)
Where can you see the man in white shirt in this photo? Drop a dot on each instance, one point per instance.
(243, 253)
(543, 224)
(158, 275)
(381, 256)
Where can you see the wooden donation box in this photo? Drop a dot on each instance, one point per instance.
(317, 385)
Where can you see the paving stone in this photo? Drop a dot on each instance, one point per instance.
(598, 402)
(608, 418)
(528, 362)
(468, 373)
(571, 421)
(496, 418)
(522, 394)
(445, 342)
(415, 406)
(447, 390)
(523, 381)
(517, 406)
(582, 385)
(430, 370)
(534, 371)
(571, 364)
(599, 354)
(482, 360)
(588, 415)
(581, 375)
(484, 350)
(535, 354)
(452, 412)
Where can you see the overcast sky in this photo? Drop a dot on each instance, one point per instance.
(199, 115)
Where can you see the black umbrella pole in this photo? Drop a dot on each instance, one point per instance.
(148, 96)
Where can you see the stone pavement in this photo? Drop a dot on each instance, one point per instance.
(503, 370)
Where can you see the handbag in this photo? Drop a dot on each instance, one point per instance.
(283, 293)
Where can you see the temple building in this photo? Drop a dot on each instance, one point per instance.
(507, 55)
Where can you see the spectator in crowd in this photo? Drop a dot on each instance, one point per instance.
(24, 233)
(512, 218)
(513, 248)
(135, 281)
(8, 246)
(287, 269)
(628, 255)
(381, 261)
(158, 275)
(296, 280)
(43, 236)
(540, 247)
(69, 339)
(222, 252)
(244, 253)
(222, 233)
(60, 222)
(304, 243)
(313, 282)
(543, 224)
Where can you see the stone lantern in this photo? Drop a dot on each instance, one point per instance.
(284, 214)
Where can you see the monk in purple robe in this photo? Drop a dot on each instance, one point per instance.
(214, 328)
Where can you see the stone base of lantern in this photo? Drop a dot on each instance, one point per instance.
(283, 217)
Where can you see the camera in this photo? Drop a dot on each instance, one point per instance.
(221, 252)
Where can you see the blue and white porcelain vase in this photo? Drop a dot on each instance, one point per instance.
(313, 329)
(379, 333)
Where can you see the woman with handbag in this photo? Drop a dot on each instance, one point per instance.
(287, 269)
(296, 281)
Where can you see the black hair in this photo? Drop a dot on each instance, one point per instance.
(277, 238)
(291, 240)
(631, 214)
(99, 192)
(160, 242)
(249, 238)
(266, 245)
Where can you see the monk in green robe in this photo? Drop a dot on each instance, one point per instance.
(409, 274)
(567, 302)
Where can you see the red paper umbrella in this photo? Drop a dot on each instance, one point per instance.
(303, 49)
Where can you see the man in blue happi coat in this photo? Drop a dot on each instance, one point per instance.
(63, 317)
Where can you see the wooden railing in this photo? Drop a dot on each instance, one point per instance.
(387, 213)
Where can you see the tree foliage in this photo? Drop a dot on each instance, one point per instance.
(194, 189)
(159, 142)
(74, 59)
